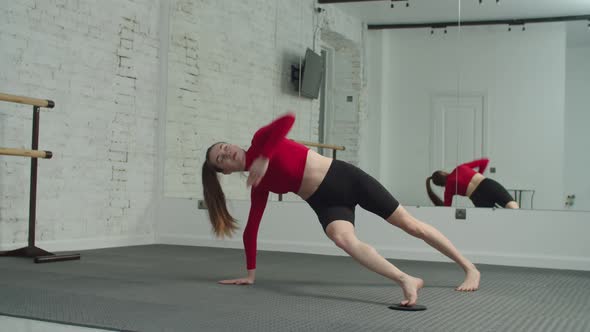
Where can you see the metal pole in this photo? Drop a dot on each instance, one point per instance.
(33, 191)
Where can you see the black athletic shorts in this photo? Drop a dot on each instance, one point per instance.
(489, 193)
(344, 187)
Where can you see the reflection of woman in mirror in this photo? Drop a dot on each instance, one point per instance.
(332, 188)
(465, 181)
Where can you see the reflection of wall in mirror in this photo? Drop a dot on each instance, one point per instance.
(523, 76)
(577, 118)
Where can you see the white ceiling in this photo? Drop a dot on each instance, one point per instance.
(428, 11)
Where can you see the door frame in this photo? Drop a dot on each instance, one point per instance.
(484, 118)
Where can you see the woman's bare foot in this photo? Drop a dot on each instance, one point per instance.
(410, 286)
(471, 282)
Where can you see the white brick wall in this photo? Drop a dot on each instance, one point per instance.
(347, 83)
(98, 60)
(228, 74)
(228, 67)
(344, 35)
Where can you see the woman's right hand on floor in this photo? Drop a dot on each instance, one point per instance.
(240, 281)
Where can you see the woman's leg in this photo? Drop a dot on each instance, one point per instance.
(343, 235)
(373, 197)
(498, 194)
(402, 219)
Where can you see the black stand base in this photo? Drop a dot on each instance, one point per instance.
(40, 255)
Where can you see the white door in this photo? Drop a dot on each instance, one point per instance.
(458, 132)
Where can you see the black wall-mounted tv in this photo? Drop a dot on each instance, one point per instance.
(312, 73)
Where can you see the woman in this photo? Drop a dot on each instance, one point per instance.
(331, 187)
(465, 181)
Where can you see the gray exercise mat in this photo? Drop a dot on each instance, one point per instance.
(173, 288)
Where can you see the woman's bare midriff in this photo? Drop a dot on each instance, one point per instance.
(473, 183)
(316, 168)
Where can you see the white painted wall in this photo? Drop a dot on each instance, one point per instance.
(99, 62)
(532, 238)
(520, 73)
(577, 118)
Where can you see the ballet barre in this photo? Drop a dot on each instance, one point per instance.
(334, 148)
(26, 153)
(27, 100)
(39, 255)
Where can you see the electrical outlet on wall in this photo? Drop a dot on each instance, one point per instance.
(202, 205)
(461, 214)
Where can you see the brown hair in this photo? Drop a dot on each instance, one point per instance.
(223, 223)
(439, 178)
